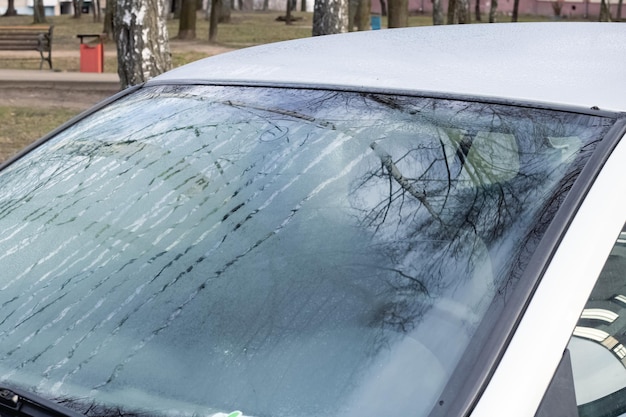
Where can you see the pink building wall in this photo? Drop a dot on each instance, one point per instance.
(581, 9)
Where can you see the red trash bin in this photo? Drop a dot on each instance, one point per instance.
(91, 54)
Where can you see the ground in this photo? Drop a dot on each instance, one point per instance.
(31, 97)
(23, 95)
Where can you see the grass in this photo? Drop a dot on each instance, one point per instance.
(20, 126)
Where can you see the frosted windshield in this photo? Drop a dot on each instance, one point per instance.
(198, 250)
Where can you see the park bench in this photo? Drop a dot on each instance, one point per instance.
(28, 38)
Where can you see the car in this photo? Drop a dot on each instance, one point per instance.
(409, 222)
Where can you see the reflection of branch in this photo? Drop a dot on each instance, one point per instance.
(393, 170)
(283, 112)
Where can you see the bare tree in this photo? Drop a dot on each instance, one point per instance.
(216, 6)
(463, 11)
(288, 12)
(97, 15)
(363, 12)
(452, 10)
(477, 11)
(330, 16)
(224, 16)
(39, 12)
(142, 40)
(187, 22)
(11, 11)
(515, 13)
(109, 11)
(493, 9)
(605, 11)
(437, 13)
(78, 8)
(398, 14)
(618, 18)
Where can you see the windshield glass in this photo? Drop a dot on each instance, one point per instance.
(198, 250)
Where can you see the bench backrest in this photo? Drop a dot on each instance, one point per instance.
(26, 38)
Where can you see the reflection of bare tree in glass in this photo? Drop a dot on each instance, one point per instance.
(439, 199)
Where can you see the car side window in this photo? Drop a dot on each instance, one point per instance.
(598, 344)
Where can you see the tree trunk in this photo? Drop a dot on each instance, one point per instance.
(605, 11)
(97, 16)
(109, 11)
(288, 13)
(224, 16)
(187, 22)
(437, 12)
(618, 18)
(515, 14)
(452, 12)
(303, 6)
(383, 7)
(363, 13)
(142, 40)
(493, 9)
(39, 12)
(398, 14)
(479, 18)
(10, 9)
(216, 6)
(330, 16)
(175, 8)
(78, 8)
(353, 9)
(463, 11)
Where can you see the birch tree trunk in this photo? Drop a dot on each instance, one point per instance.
(142, 40)
(330, 16)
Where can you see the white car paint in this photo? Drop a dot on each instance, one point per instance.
(579, 64)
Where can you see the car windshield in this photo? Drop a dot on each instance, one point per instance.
(195, 250)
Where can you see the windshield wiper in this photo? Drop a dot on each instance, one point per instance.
(18, 403)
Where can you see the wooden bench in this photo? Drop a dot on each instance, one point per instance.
(28, 38)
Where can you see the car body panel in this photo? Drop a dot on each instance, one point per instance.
(528, 62)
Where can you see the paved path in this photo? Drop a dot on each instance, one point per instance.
(51, 89)
(52, 79)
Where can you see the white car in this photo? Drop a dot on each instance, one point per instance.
(412, 222)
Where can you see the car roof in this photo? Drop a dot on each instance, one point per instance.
(564, 63)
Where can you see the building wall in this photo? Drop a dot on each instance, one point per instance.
(570, 8)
